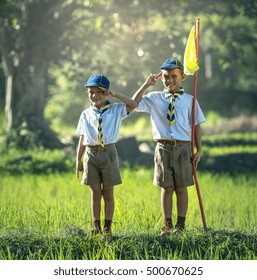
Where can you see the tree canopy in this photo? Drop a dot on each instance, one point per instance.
(49, 48)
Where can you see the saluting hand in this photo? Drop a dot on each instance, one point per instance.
(153, 78)
(111, 93)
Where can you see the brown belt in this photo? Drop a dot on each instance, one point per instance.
(172, 142)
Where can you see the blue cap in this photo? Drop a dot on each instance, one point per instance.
(172, 63)
(98, 80)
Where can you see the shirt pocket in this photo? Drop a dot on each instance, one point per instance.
(183, 118)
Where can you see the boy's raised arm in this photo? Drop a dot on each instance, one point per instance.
(131, 104)
(150, 81)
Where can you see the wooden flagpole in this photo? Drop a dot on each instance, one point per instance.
(197, 41)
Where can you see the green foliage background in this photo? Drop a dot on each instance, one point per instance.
(127, 40)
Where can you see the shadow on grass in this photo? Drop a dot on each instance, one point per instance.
(229, 142)
(192, 245)
(231, 164)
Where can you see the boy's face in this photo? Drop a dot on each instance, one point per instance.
(97, 96)
(172, 79)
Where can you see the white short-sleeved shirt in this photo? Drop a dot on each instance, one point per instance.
(156, 104)
(111, 120)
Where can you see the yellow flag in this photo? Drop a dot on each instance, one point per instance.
(190, 57)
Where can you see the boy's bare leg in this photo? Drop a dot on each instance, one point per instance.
(166, 202)
(182, 201)
(182, 205)
(108, 201)
(96, 196)
(109, 210)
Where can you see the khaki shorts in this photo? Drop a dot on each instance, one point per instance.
(101, 165)
(173, 167)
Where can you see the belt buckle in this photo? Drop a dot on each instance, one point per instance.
(173, 142)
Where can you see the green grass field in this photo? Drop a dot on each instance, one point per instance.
(45, 212)
(40, 216)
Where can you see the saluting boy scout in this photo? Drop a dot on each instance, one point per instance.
(98, 128)
(171, 118)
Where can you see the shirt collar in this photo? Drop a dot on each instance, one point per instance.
(104, 108)
(167, 93)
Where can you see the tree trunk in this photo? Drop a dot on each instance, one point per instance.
(26, 90)
(25, 60)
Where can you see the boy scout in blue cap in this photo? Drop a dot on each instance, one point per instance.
(171, 111)
(98, 128)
